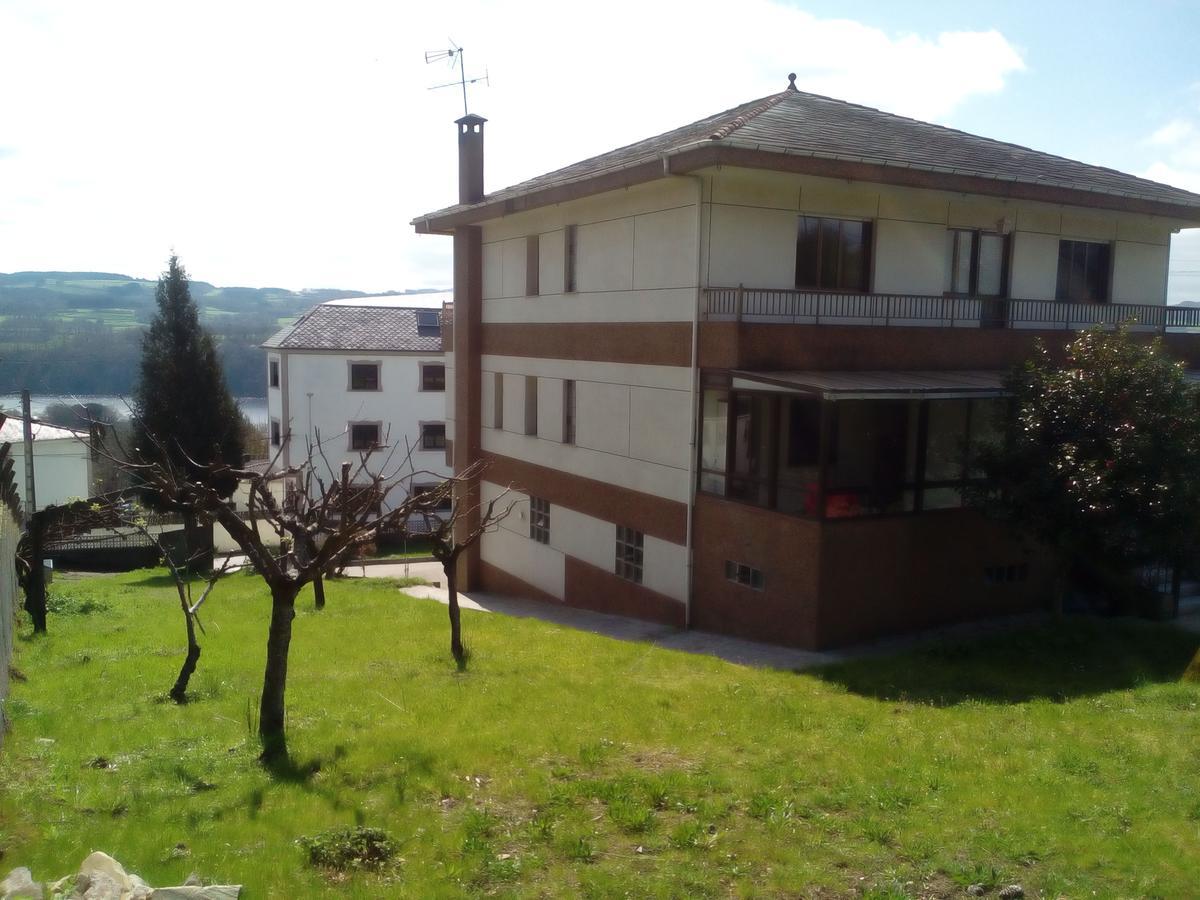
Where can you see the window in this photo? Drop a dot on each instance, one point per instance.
(433, 435)
(364, 376)
(364, 435)
(531, 388)
(273, 373)
(533, 249)
(744, 575)
(438, 501)
(570, 242)
(975, 263)
(839, 459)
(629, 554)
(276, 433)
(1083, 271)
(568, 401)
(833, 254)
(539, 520)
(429, 323)
(433, 377)
(498, 400)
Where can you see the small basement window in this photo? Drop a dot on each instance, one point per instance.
(629, 554)
(539, 520)
(744, 575)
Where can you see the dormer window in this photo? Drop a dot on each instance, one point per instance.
(429, 323)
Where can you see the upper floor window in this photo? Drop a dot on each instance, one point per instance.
(433, 435)
(570, 242)
(276, 433)
(364, 376)
(273, 373)
(833, 254)
(1084, 268)
(533, 248)
(531, 404)
(433, 377)
(975, 263)
(429, 323)
(364, 435)
(568, 400)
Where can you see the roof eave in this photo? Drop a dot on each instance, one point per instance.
(689, 159)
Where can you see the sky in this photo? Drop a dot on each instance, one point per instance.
(290, 144)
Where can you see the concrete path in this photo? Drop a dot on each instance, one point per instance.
(731, 649)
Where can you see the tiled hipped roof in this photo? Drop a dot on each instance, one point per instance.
(359, 328)
(798, 125)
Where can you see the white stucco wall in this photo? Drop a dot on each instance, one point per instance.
(62, 470)
(324, 417)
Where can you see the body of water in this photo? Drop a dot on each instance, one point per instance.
(254, 408)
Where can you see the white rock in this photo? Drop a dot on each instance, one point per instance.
(20, 883)
(102, 886)
(197, 892)
(138, 889)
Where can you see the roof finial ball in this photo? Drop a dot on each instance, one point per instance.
(792, 82)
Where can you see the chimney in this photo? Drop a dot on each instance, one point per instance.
(470, 158)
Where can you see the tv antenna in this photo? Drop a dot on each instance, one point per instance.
(455, 55)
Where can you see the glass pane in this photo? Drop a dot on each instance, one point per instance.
(875, 456)
(991, 265)
(1097, 272)
(830, 229)
(1063, 289)
(799, 449)
(947, 441)
(948, 276)
(713, 430)
(987, 424)
(960, 261)
(806, 252)
(712, 484)
(1078, 271)
(750, 443)
(854, 257)
(941, 498)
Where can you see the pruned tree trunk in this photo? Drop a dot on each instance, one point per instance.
(456, 644)
(35, 584)
(271, 718)
(318, 591)
(179, 690)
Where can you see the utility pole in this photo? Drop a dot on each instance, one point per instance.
(30, 503)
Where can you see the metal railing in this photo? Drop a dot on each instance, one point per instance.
(742, 304)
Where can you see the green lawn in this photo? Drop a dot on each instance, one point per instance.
(1066, 759)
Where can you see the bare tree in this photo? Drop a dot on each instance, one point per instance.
(324, 520)
(452, 534)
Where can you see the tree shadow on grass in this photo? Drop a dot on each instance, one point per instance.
(1058, 661)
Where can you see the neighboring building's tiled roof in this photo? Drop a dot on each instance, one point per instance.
(795, 124)
(358, 328)
(12, 431)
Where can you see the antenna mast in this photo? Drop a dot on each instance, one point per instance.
(455, 55)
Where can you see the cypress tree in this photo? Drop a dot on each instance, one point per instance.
(184, 408)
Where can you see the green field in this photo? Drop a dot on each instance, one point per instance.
(1065, 758)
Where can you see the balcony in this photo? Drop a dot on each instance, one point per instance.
(759, 305)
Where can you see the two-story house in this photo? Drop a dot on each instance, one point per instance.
(739, 368)
(363, 376)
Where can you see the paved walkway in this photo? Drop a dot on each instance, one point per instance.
(624, 628)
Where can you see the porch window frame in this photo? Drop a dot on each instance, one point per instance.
(919, 483)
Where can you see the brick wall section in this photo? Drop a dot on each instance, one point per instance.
(785, 549)
(780, 347)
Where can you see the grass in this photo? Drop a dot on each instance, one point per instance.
(1063, 758)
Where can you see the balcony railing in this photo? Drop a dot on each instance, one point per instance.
(741, 304)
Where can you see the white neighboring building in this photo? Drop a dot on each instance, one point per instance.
(362, 375)
(62, 461)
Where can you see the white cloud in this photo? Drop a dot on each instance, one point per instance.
(290, 144)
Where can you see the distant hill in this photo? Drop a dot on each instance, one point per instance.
(80, 332)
